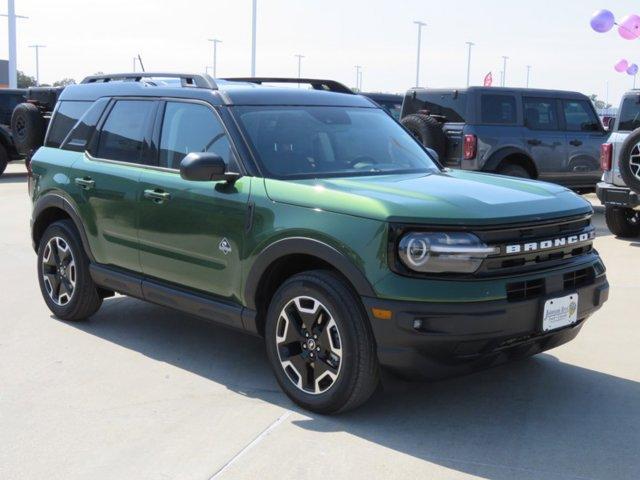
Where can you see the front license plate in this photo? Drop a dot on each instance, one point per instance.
(560, 312)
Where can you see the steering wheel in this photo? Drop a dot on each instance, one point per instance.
(362, 159)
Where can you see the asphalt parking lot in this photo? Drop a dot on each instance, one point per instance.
(143, 392)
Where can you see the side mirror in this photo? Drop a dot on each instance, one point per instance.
(205, 167)
(433, 153)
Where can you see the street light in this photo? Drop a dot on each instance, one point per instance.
(253, 38)
(358, 67)
(420, 25)
(528, 73)
(470, 44)
(13, 55)
(504, 70)
(215, 42)
(37, 49)
(300, 57)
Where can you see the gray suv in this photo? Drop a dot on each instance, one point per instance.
(548, 135)
(619, 189)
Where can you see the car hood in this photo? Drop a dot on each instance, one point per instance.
(451, 197)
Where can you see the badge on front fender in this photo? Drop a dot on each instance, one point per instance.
(224, 246)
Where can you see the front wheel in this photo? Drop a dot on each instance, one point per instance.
(623, 222)
(320, 343)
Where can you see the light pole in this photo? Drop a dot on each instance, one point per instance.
(358, 67)
(528, 74)
(470, 44)
(360, 79)
(504, 70)
(134, 64)
(300, 57)
(215, 42)
(253, 39)
(13, 55)
(37, 49)
(420, 25)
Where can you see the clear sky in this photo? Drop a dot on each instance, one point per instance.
(85, 36)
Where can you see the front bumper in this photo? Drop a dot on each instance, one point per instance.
(435, 340)
(617, 196)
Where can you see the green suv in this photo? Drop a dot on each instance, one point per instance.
(310, 217)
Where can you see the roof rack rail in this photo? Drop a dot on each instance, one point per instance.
(317, 84)
(186, 79)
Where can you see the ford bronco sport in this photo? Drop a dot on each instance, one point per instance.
(309, 217)
(619, 189)
(549, 135)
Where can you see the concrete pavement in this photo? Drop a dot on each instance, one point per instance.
(143, 392)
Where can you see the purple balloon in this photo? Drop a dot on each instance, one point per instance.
(621, 66)
(602, 21)
(629, 27)
(633, 69)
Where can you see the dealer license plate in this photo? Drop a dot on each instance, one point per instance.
(560, 312)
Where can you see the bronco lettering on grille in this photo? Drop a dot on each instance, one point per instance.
(551, 243)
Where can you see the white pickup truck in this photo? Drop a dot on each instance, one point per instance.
(619, 190)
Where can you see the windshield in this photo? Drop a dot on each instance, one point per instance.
(310, 142)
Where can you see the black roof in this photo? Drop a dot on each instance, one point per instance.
(497, 90)
(248, 91)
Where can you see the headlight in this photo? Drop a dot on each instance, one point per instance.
(435, 252)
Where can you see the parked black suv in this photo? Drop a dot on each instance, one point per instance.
(549, 135)
(9, 99)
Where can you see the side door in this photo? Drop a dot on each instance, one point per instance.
(107, 177)
(584, 135)
(543, 139)
(191, 233)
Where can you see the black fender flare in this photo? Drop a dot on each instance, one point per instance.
(499, 155)
(305, 246)
(54, 200)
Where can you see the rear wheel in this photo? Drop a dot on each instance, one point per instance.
(28, 128)
(63, 273)
(4, 159)
(320, 344)
(623, 222)
(513, 170)
(428, 131)
(630, 160)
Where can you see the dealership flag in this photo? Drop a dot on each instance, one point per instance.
(488, 80)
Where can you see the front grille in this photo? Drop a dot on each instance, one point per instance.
(518, 291)
(578, 278)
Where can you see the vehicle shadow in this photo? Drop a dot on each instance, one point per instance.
(13, 177)
(538, 418)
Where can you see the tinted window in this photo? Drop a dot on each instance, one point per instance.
(315, 142)
(630, 114)
(189, 127)
(540, 114)
(449, 105)
(123, 134)
(579, 116)
(81, 133)
(498, 109)
(66, 116)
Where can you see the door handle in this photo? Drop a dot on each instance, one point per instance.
(575, 143)
(86, 183)
(157, 196)
(534, 141)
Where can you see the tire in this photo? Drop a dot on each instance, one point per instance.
(428, 131)
(513, 170)
(4, 159)
(343, 342)
(623, 222)
(75, 283)
(28, 128)
(630, 160)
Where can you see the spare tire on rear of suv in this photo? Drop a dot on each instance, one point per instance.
(629, 162)
(428, 130)
(28, 128)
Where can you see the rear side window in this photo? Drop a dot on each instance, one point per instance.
(124, 132)
(498, 109)
(81, 133)
(540, 114)
(630, 114)
(190, 127)
(452, 106)
(65, 117)
(579, 116)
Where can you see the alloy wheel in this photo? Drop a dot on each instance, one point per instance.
(59, 271)
(634, 161)
(309, 345)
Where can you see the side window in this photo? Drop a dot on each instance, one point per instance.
(66, 116)
(540, 114)
(81, 134)
(190, 127)
(579, 116)
(124, 132)
(498, 109)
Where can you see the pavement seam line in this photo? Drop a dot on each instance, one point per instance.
(252, 444)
